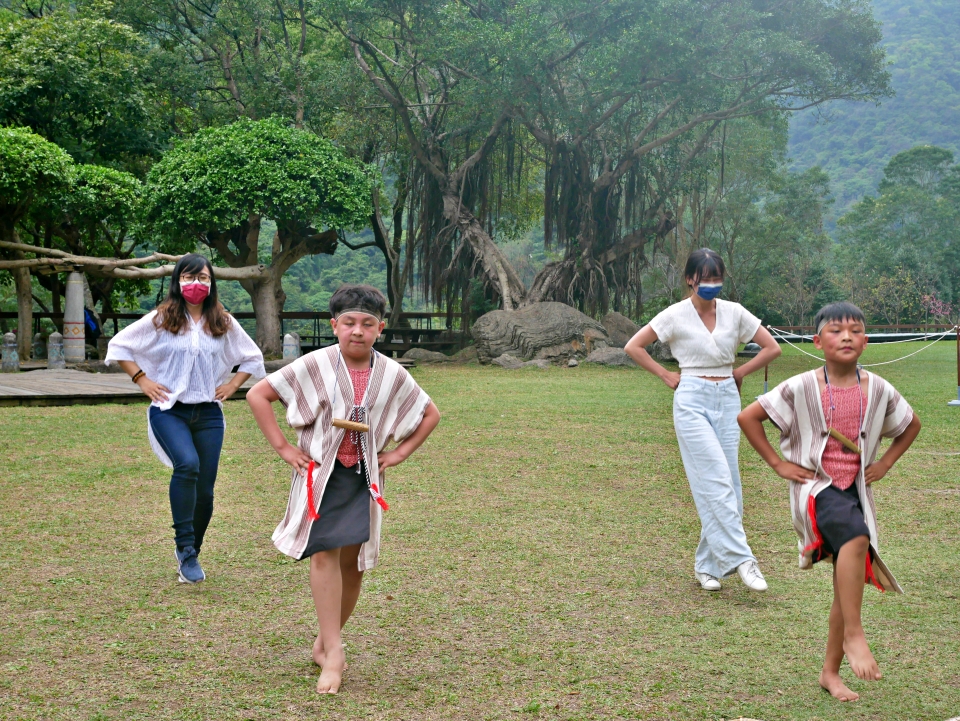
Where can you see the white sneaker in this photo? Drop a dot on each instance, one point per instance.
(707, 582)
(750, 575)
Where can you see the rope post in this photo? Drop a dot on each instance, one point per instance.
(766, 379)
(956, 401)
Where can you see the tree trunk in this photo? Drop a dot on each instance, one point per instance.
(21, 278)
(291, 242)
(497, 269)
(268, 298)
(389, 256)
(400, 282)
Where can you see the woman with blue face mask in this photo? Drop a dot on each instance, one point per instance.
(703, 333)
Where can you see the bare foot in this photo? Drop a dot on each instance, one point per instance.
(332, 675)
(861, 660)
(837, 688)
(318, 653)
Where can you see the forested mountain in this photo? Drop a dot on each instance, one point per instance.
(856, 141)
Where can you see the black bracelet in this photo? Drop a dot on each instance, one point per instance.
(136, 376)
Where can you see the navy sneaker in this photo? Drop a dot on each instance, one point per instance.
(188, 566)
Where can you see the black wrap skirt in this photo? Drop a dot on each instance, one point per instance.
(839, 519)
(344, 511)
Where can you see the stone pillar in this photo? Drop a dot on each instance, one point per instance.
(39, 347)
(9, 358)
(55, 352)
(291, 348)
(74, 349)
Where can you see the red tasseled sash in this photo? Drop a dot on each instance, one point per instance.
(817, 545)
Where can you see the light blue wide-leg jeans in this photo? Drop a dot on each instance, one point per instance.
(705, 419)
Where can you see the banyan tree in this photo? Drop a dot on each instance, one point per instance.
(614, 103)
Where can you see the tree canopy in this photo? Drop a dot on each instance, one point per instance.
(31, 170)
(217, 187)
(80, 82)
(621, 98)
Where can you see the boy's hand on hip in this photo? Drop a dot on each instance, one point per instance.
(793, 472)
(295, 457)
(875, 471)
(389, 459)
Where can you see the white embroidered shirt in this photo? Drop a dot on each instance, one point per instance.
(190, 364)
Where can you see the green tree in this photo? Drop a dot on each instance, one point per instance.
(95, 216)
(622, 145)
(217, 187)
(32, 171)
(908, 231)
(794, 271)
(80, 82)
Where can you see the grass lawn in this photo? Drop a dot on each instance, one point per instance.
(537, 563)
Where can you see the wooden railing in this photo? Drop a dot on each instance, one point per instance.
(434, 331)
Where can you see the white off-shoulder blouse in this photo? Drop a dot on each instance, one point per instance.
(191, 364)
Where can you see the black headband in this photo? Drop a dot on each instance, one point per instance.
(358, 310)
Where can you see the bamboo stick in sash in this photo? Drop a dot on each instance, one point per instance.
(847, 443)
(350, 425)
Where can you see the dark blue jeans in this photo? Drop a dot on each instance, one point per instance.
(191, 434)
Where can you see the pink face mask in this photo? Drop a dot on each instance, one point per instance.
(195, 292)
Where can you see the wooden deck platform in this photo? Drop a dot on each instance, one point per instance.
(71, 388)
(36, 385)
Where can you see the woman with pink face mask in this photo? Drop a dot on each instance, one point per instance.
(182, 355)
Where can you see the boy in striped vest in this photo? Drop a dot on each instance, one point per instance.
(831, 421)
(337, 496)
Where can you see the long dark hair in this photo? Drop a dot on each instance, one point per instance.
(172, 312)
(704, 263)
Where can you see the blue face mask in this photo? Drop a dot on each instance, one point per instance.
(709, 291)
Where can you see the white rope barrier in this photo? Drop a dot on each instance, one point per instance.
(782, 335)
(926, 336)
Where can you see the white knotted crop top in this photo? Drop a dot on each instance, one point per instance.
(698, 351)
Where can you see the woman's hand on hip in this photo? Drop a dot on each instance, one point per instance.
(295, 457)
(738, 379)
(225, 391)
(671, 378)
(793, 472)
(154, 391)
